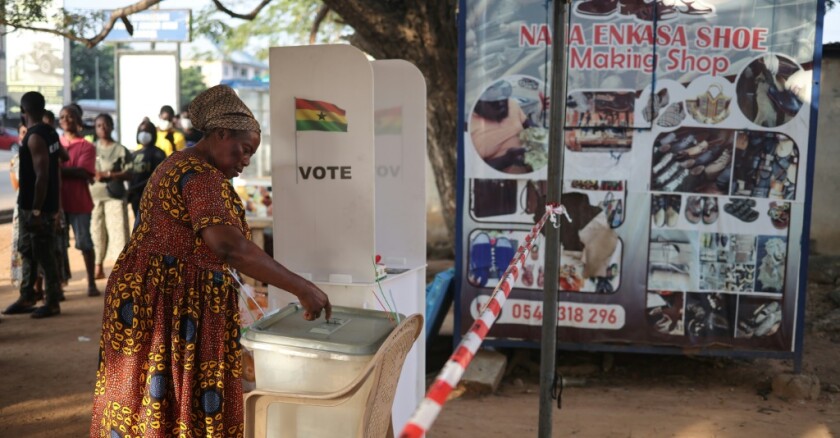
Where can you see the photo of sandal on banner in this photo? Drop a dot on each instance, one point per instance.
(695, 160)
(766, 165)
(772, 89)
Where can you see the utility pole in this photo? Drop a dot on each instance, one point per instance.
(548, 344)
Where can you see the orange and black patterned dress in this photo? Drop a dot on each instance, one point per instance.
(170, 360)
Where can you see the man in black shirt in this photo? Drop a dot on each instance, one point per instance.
(38, 203)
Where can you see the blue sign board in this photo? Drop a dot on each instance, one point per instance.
(161, 25)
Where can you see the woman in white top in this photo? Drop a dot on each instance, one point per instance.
(109, 219)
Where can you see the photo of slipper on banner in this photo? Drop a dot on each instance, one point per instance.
(712, 315)
(735, 214)
(721, 161)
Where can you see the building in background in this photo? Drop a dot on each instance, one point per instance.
(33, 61)
(217, 66)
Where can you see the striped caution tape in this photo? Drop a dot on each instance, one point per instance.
(452, 372)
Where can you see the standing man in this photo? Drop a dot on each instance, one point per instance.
(168, 138)
(38, 204)
(76, 175)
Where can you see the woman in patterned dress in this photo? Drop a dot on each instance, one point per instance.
(170, 360)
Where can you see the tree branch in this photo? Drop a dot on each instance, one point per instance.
(249, 16)
(316, 24)
(117, 14)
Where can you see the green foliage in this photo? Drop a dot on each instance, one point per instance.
(83, 74)
(282, 22)
(41, 13)
(24, 11)
(192, 83)
(83, 71)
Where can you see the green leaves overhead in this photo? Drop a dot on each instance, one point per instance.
(192, 83)
(83, 63)
(282, 22)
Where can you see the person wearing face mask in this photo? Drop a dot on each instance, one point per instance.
(170, 357)
(168, 138)
(191, 135)
(144, 161)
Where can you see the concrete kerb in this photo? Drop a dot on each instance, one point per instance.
(6, 216)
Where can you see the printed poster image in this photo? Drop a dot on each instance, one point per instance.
(701, 110)
(35, 62)
(508, 126)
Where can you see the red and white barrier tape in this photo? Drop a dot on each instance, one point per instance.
(452, 372)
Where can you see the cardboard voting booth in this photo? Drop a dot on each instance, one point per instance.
(348, 155)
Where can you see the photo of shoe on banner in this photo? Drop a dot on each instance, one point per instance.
(686, 141)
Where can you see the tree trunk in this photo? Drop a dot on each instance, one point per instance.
(425, 34)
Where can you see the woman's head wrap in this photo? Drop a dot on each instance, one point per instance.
(220, 107)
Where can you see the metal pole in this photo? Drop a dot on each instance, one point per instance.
(548, 345)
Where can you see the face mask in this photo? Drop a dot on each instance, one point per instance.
(186, 123)
(164, 125)
(144, 138)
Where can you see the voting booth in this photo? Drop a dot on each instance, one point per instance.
(348, 155)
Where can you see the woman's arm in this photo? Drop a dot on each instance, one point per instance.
(233, 248)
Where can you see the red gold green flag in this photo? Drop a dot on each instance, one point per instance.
(316, 115)
(388, 121)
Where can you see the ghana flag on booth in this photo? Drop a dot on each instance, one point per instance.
(388, 121)
(316, 115)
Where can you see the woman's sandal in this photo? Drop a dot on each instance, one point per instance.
(694, 209)
(779, 215)
(710, 210)
(742, 209)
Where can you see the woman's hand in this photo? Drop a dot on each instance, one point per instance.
(314, 300)
(227, 242)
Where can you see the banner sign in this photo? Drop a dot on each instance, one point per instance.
(36, 61)
(158, 25)
(687, 132)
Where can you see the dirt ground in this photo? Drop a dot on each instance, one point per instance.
(47, 370)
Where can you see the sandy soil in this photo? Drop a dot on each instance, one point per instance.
(47, 370)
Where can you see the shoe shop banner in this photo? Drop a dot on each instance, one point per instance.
(688, 130)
